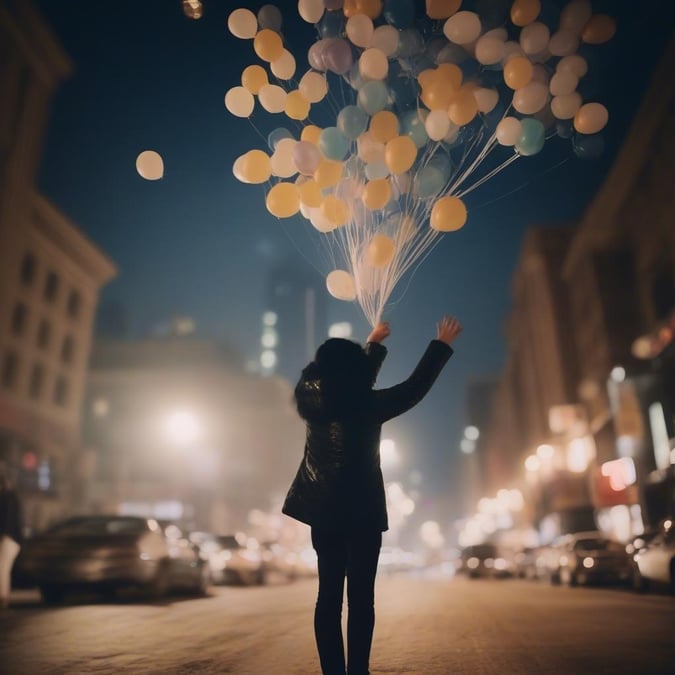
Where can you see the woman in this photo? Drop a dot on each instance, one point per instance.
(338, 489)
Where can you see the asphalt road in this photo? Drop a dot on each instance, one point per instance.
(425, 625)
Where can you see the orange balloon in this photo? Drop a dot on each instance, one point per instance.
(448, 214)
(400, 154)
(376, 194)
(518, 72)
(371, 8)
(350, 8)
(383, 126)
(600, 28)
(451, 74)
(426, 77)
(283, 200)
(297, 106)
(253, 78)
(335, 210)
(268, 45)
(524, 12)
(437, 95)
(310, 193)
(311, 134)
(463, 107)
(380, 250)
(328, 173)
(442, 9)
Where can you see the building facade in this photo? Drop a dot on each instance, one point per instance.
(50, 276)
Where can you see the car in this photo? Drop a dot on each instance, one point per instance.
(592, 557)
(109, 552)
(485, 560)
(241, 559)
(655, 562)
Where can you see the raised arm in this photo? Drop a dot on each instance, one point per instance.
(374, 349)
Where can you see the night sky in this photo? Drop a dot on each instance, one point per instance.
(199, 243)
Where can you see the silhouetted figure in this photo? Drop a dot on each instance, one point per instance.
(11, 535)
(338, 489)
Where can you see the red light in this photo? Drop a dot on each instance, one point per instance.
(29, 461)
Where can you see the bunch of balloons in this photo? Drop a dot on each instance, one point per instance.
(422, 109)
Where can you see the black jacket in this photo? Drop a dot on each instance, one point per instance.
(11, 522)
(339, 483)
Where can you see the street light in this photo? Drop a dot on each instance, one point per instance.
(389, 456)
(182, 427)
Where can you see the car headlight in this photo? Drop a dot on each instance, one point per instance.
(588, 562)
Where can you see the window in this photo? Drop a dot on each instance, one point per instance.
(67, 349)
(37, 380)
(10, 370)
(51, 287)
(74, 304)
(61, 391)
(44, 334)
(19, 319)
(28, 269)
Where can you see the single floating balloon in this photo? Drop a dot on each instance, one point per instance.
(448, 214)
(239, 101)
(340, 285)
(242, 23)
(150, 165)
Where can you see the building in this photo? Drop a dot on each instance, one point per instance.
(177, 430)
(50, 276)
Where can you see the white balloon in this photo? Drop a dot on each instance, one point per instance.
(150, 165)
(282, 162)
(239, 101)
(319, 221)
(511, 49)
(341, 285)
(575, 15)
(563, 82)
(486, 99)
(563, 42)
(243, 24)
(531, 98)
(385, 38)
(565, 107)
(273, 98)
(313, 86)
(534, 38)
(437, 124)
(462, 28)
(360, 30)
(311, 10)
(573, 63)
(373, 64)
(284, 66)
(508, 131)
(489, 50)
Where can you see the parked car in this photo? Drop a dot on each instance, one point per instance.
(108, 552)
(241, 559)
(525, 563)
(655, 562)
(591, 557)
(485, 560)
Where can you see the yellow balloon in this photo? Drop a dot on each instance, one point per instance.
(518, 72)
(371, 8)
(590, 118)
(268, 45)
(437, 95)
(380, 251)
(600, 28)
(283, 200)
(311, 134)
(310, 193)
(376, 194)
(328, 173)
(426, 77)
(254, 77)
(463, 107)
(524, 12)
(400, 154)
(253, 167)
(297, 106)
(442, 9)
(383, 126)
(451, 74)
(335, 210)
(448, 214)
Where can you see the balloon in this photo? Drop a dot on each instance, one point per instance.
(531, 98)
(534, 38)
(253, 78)
(563, 42)
(150, 165)
(532, 137)
(242, 23)
(369, 150)
(508, 131)
(333, 143)
(591, 118)
(599, 29)
(269, 16)
(239, 101)
(310, 193)
(272, 98)
(311, 10)
(253, 167)
(331, 25)
(518, 72)
(311, 134)
(340, 285)
(565, 107)
(564, 128)
(380, 250)
(486, 99)
(442, 9)
(524, 12)
(352, 121)
(400, 154)
(385, 38)
(281, 162)
(373, 64)
(437, 124)
(320, 222)
(384, 126)
(335, 210)
(337, 56)
(297, 106)
(463, 107)
(448, 214)
(316, 52)
(313, 86)
(410, 43)
(430, 180)
(372, 97)
(575, 16)
(283, 200)
(328, 173)
(412, 124)
(376, 170)
(376, 194)
(276, 135)
(267, 45)
(574, 64)
(489, 50)
(399, 13)
(306, 157)
(360, 30)
(462, 28)
(563, 82)
(588, 146)
(284, 66)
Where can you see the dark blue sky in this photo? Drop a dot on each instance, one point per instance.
(200, 243)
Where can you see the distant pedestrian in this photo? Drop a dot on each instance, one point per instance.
(339, 490)
(11, 535)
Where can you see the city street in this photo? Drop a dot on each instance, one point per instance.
(425, 625)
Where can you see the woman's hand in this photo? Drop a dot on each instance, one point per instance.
(380, 332)
(448, 329)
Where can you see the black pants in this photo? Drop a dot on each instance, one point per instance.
(352, 555)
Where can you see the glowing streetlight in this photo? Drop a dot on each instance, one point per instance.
(182, 427)
(545, 452)
(532, 464)
(389, 456)
(472, 433)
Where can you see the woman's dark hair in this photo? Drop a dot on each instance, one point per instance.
(346, 375)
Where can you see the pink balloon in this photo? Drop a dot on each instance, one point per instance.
(337, 56)
(306, 157)
(315, 54)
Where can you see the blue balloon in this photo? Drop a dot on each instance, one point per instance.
(452, 53)
(412, 124)
(410, 43)
(277, 135)
(332, 24)
(373, 97)
(565, 128)
(354, 77)
(431, 178)
(532, 137)
(352, 121)
(269, 16)
(333, 143)
(399, 13)
(588, 146)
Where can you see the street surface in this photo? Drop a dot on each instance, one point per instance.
(425, 625)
